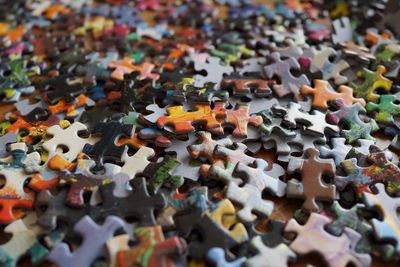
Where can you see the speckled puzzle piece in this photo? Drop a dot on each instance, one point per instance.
(385, 110)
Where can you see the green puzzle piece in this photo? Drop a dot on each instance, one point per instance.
(373, 80)
(386, 109)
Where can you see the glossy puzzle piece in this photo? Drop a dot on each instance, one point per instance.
(311, 188)
(94, 239)
(160, 173)
(142, 211)
(338, 151)
(289, 83)
(335, 250)
(323, 94)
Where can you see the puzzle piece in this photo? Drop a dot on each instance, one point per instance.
(24, 241)
(322, 94)
(335, 250)
(106, 149)
(260, 179)
(289, 83)
(386, 109)
(381, 170)
(213, 233)
(251, 200)
(224, 170)
(66, 137)
(243, 87)
(152, 249)
(138, 162)
(94, 238)
(362, 53)
(185, 168)
(78, 185)
(239, 118)
(311, 188)
(373, 80)
(338, 151)
(215, 71)
(159, 174)
(126, 67)
(217, 257)
(269, 257)
(182, 121)
(343, 30)
(62, 88)
(388, 228)
(142, 211)
(349, 115)
(71, 109)
(330, 70)
(352, 218)
(13, 194)
(314, 123)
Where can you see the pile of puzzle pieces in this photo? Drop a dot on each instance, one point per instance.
(199, 133)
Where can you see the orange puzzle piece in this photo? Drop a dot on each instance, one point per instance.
(126, 67)
(62, 105)
(322, 94)
(182, 120)
(238, 117)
